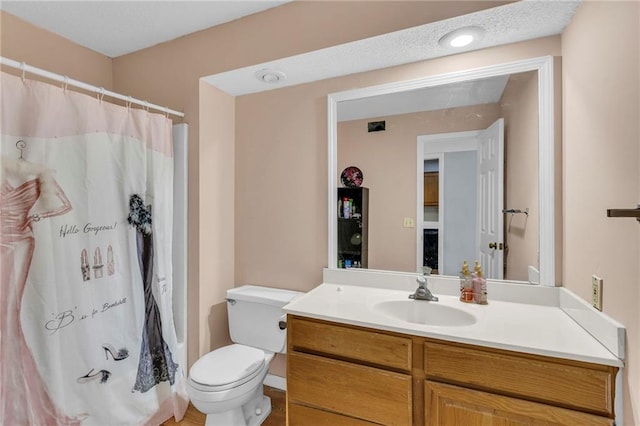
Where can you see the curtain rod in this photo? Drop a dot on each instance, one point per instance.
(89, 87)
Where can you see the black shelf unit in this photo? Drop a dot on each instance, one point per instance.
(353, 232)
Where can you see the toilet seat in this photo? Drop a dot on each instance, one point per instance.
(226, 368)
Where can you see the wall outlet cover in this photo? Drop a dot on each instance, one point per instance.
(596, 292)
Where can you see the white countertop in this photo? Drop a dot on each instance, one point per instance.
(521, 327)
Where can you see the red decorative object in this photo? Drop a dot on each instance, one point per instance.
(352, 177)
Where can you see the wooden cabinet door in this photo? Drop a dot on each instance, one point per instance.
(571, 384)
(431, 193)
(365, 393)
(299, 415)
(448, 405)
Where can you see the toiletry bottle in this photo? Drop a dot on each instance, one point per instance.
(478, 283)
(346, 210)
(481, 298)
(465, 284)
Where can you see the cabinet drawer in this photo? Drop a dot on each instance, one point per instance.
(358, 391)
(570, 384)
(362, 345)
(299, 415)
(453, 405)
(448, 405)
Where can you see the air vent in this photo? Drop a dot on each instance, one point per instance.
(376, 126)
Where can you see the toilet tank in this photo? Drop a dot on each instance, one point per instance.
(254, 315)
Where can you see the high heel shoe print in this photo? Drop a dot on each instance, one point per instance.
(118, 355)
(103, 375)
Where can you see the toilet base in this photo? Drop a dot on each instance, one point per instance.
(253, 413)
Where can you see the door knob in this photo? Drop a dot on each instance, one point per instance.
(493, 245)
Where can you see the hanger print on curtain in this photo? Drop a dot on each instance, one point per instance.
(156, 362)
(24, 398)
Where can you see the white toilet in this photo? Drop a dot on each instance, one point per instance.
(226, 384)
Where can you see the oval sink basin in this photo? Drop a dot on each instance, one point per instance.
(427, 313)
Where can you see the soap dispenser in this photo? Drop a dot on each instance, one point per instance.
(479, 286)
(466, 285)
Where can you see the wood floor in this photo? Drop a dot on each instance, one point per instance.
(277, 417)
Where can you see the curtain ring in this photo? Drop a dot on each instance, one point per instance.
(166, 112)
(65, 83)
(100, 93)
(146, 106)
(129, 101)
(23, 68)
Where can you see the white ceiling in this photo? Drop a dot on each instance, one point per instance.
(454, 95)
(115, 28)
(519, 21)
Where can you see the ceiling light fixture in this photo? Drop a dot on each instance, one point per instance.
(267, 75)
(461, 37)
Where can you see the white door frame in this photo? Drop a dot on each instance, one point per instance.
(433, 147)
(420, 222)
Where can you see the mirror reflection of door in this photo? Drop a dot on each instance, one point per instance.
(490, 200)
(465, 221)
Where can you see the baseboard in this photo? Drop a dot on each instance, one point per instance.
(276, 382)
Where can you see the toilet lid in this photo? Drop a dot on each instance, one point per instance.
(227, 365)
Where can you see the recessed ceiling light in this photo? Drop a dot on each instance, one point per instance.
(461, 37)
(270, 76)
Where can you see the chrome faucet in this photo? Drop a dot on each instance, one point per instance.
(422, 292)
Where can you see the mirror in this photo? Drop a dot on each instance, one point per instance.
(393, 163)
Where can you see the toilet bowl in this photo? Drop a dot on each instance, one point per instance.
(227, 383)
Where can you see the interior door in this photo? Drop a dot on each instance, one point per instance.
(490, 199)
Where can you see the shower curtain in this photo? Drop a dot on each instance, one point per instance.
(86, 324)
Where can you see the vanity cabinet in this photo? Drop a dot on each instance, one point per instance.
(340, 374)
(353, 228)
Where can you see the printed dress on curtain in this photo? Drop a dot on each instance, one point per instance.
(24, 398)
(156, 362)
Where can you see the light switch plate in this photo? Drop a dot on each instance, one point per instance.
(408, 222)
(596, 295)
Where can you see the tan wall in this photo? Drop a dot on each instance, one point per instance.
(168, 74)
(520, 109)
(388, 161)
(27, 43)
(601, 163)
(281, 182)
(217, 128)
